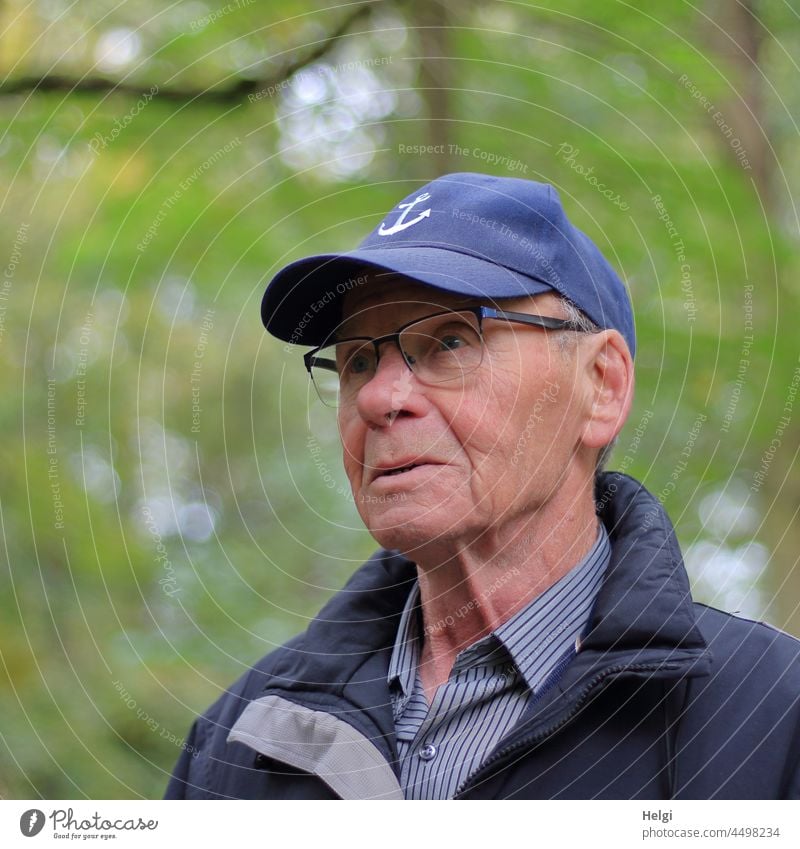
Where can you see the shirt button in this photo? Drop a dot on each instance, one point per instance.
(428, 753)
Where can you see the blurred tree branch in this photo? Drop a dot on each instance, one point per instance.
(433, 20)
(218, 95)
(738, 35)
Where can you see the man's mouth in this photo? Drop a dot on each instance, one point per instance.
(400, 470)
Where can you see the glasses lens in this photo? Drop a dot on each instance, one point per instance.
(443, 347)
(340, 370)
(440, 348)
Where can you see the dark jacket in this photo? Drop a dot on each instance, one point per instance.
(665, 699)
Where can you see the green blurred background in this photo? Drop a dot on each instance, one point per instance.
(173, 503)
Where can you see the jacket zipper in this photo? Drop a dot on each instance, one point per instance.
(563, 720)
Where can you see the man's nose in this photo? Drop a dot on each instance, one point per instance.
(390, 390)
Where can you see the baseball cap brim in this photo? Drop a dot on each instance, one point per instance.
(302, 304)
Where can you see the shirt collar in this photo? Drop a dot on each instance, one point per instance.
(405, 654)
(540, 634)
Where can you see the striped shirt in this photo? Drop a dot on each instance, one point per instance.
(491, 682)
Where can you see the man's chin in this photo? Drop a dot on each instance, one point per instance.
(409, 535)
(410, 520)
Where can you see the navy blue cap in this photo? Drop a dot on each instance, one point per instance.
(471, 234)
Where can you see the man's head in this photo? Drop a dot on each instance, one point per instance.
(489, 443)
(497, 415)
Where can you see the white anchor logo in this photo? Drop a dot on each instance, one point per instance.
(401, 223)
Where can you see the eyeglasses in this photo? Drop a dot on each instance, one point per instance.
(439, 348)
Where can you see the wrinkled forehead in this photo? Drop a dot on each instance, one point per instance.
(392, 298)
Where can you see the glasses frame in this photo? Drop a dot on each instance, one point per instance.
(546, 322)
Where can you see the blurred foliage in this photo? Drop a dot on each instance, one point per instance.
(173, 501)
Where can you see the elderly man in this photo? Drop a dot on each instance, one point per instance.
(527, 630)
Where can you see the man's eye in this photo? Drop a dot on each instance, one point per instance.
(453, 341)
(359, 364)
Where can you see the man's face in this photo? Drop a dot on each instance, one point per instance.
(484, 451)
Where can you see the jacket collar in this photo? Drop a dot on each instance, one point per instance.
(645, 600)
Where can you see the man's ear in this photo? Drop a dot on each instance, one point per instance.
(609, 371)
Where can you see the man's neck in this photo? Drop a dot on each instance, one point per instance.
(483, 584)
